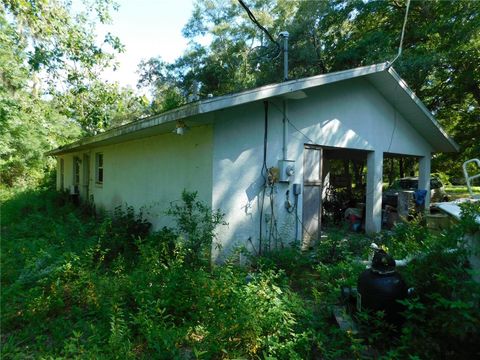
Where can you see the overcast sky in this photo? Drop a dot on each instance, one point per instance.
(147, 28)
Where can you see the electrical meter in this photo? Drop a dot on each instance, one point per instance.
(286, 169)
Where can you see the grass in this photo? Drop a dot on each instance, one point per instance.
(460, 191)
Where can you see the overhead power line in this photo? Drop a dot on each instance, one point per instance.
(402, 35)
(255, 21)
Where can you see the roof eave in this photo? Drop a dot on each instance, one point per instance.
(257, 94)
(450, 144)
(222, 102)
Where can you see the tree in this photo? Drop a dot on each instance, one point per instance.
(239, 55)
(159, 77)
(29, 126)
(439, 60)
(50, 94)
(98, 105)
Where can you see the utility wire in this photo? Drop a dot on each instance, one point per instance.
(401, 37)
(304, 228)
(291, 124)
(255, 21)
(264, 172)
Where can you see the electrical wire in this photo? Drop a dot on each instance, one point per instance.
(272, 219)
(292, 124)
(303, 227)
(264, 172)
(290, 209)
(253, 246)
(273, 234)
(296, 129)
(296, 217)
(265, 52)
(255, 21)
(394, 129)
(401, 36)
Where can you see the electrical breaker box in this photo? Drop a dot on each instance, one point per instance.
(287, 170)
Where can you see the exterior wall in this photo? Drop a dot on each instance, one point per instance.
(148, 173)
(350, 114)
(237, 171)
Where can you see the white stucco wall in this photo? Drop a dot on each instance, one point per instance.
(351, 114)
(150, 172)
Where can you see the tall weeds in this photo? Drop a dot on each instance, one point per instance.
(76, 285)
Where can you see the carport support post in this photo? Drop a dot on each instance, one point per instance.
(424, 177)
(373, 206)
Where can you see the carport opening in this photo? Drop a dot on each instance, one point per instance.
(396, 166)
(400, 181)
(335, 186)
(401, 198)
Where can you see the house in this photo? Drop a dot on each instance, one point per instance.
(280, 134)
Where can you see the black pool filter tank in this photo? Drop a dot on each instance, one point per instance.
(380, 288)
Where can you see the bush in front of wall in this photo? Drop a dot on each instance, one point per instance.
(443, 319)
(195, 225)
(120, 232)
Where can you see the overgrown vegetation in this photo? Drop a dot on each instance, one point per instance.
(75, 285)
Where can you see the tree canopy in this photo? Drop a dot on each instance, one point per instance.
(439, 60)
(51, 90)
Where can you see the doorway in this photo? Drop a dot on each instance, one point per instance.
(334, 184)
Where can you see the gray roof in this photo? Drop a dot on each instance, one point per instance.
(382, 76)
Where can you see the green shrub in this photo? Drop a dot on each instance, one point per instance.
(195, 224)
(119, 233)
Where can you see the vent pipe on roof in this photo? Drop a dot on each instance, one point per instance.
(284, 35)
(195, 89)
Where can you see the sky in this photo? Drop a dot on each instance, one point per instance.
(147, 28)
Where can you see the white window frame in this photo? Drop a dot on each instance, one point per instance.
(99, 172)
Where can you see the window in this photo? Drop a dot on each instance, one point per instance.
(76, 171)
(62, 174)
(99, 168)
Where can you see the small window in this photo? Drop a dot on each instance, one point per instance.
(99, 168)
(76, 171)
(62, 174)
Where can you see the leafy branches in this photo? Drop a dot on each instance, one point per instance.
(196, 224)
(50, 92)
